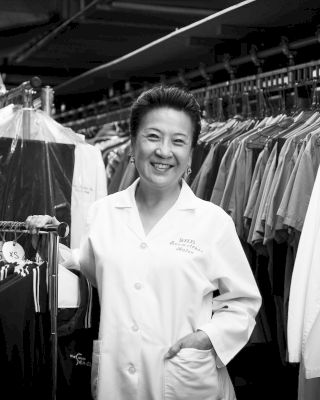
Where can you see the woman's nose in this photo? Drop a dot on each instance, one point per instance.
(164, 150)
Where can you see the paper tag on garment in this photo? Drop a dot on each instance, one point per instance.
(13, 252)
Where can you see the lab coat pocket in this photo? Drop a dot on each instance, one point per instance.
(191, 374)
(96, 355)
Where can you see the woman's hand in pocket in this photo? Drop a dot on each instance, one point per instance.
(197, 340)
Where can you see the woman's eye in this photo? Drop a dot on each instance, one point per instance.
(153, 136)
(179, 142)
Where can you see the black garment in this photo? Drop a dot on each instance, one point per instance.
(25, 337)
(200, 152)
(77, 329)
(35, 179)
(221, 148)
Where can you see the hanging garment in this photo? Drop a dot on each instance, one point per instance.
(156, 288)
(76, 333)
(35, 178)
(25, 336)
(304, 318)
(52, 172)
(88, 185)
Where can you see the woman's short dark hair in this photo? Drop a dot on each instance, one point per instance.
(166, 96)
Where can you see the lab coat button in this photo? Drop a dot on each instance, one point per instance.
(132, 370)
(135, 328)
(143, 245)
(138, 285)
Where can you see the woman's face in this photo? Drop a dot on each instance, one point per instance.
(162, 147)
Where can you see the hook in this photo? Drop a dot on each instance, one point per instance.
(246, 108)
(295, 97)
(207, 103)
(220, 115)
(14, 228)
(260, 104)
(3, 233)
(314, 103)
(282, 100)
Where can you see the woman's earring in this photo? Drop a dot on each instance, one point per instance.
(132, 159)
(189, 170)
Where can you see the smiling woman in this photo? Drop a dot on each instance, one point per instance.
(165, 125)
(158, 255)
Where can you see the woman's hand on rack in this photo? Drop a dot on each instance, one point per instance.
(39, 242)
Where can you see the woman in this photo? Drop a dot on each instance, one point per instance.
(178, 299)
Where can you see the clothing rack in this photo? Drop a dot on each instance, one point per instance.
(291, 77)
(54, 232)
(254, 57)
(30, 96)
(283, 78)
(119, 116)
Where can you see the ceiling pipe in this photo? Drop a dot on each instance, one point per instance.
(35, 44)
(127, 24)
(117, 5)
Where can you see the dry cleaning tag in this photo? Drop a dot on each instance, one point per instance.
(12, 252)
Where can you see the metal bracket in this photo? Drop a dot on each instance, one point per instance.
(182, 77)
(284, 44)
(258, 62)
(204, 73)
(228, 66)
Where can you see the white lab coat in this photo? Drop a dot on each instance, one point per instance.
(304, 301)
(156, 288)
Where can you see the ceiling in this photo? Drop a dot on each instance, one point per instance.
(85, 46)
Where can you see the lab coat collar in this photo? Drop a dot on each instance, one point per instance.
(187, 200)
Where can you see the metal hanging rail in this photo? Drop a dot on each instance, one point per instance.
(100, 119)
(55, 232)
(302, 74)
(284, 48)
(283, 78)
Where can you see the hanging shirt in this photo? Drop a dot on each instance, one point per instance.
(304, 302)
(88, 185)
(154, 289)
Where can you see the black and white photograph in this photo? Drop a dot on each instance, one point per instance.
(160, 199)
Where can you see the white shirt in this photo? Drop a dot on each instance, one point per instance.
(89, 184)
(156, 288)
(304, 301)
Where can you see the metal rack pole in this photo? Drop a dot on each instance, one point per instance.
(53, 305)
(47, 94)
